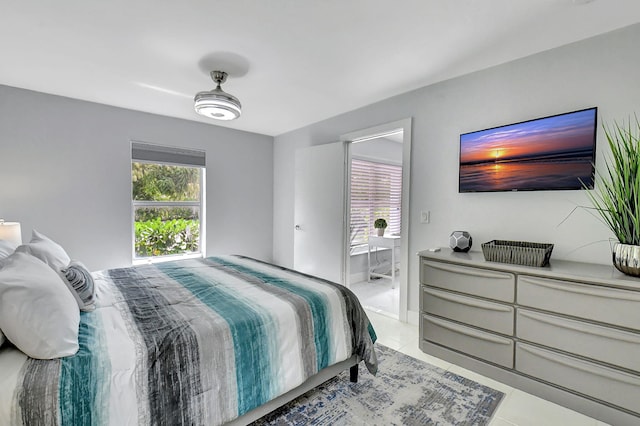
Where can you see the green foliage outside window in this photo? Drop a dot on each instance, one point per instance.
(163, 213)
(158, 237)
(157, 182)
(166, 229)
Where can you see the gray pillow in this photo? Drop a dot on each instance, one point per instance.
(80, 282)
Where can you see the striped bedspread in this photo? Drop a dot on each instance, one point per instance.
(196, 342)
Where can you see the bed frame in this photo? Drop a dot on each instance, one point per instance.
(313, 381)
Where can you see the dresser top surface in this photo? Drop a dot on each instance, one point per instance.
(557, 269)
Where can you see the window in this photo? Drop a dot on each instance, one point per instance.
(376, 192)
(167, 198)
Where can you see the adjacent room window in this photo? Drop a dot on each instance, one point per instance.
(168, 202)
(376, 192)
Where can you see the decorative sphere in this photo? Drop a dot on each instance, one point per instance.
(460, 241)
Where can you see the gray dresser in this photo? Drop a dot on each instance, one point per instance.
(569, 333)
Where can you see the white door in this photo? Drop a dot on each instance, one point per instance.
(320, 211)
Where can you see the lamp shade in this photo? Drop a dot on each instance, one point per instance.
(10, 231)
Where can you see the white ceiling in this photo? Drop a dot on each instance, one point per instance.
(291, 62)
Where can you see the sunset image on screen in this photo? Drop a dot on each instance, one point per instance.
(549, 153)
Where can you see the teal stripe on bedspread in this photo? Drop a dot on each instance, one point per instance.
(372, 333)
(84, 377)
(363, 334)
(316, 300)
(252, 338)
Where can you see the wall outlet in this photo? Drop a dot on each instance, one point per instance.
(425, 216)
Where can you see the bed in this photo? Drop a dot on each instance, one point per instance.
(196, 341)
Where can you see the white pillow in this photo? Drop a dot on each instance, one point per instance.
(6, 248)
(38, 314)
(46, 250)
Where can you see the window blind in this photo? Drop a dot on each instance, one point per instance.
(376, 192)
(141, 151)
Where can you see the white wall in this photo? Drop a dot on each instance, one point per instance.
(380, 149)
(602, 72)
(65, 169)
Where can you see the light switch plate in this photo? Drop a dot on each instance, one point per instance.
(425, 216)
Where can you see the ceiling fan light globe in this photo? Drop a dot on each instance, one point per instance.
(217, 108)
(217, 103)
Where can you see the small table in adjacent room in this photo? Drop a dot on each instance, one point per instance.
(391, 242)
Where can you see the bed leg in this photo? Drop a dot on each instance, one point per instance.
(353, 374)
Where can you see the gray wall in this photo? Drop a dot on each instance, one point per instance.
(65, 169)
(602, 72)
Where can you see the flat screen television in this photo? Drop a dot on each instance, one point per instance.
(549, 153)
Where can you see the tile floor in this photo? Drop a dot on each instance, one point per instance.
(518, 408)
(379, 295)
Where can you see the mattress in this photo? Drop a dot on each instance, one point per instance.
(198, 341)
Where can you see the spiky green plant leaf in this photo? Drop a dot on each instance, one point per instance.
(617, 195)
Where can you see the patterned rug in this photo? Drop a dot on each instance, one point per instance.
(405, 391)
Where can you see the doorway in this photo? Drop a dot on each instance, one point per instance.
(377, 187)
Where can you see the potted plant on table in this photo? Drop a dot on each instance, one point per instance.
(380, 224)
(617, 199)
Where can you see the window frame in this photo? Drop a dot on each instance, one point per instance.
(164, 155)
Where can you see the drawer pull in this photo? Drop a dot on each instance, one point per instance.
(573, 288)
(621, 377)
(469, 332)
(469, 302)
(578, 327)
(468, 271)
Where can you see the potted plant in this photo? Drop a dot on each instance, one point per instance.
(380, 224)
(617, 198)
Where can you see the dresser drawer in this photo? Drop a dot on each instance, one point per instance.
(592, 341)
(479, 282)
(480, 313)
(490, 347)
(603, 304)
(616, 387)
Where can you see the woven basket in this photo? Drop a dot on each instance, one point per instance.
(517, 252)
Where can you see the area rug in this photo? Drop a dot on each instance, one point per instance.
(405, 391)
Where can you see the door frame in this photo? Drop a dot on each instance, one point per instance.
(373, 133)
